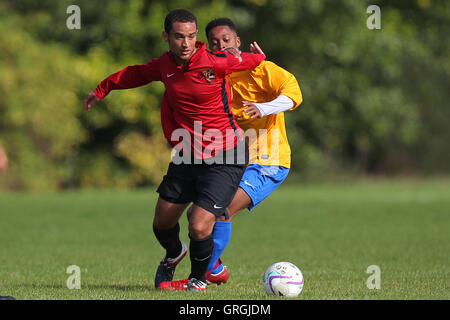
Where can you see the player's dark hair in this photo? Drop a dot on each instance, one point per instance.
(178, 15)
(219, 22)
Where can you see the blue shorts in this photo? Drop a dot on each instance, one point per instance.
(260, 181)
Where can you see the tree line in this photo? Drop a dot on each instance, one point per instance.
(375, 100)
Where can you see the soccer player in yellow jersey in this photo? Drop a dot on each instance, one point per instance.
(259, 99)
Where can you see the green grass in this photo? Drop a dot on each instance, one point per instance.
(332, 232)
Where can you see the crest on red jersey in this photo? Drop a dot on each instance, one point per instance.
(209, 74)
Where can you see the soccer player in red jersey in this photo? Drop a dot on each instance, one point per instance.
(272, 91)
(194, 79)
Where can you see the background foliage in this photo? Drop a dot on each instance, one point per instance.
(375, 101)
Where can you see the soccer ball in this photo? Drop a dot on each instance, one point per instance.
(283, 279)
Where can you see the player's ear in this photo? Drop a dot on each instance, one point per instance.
(238, 42)
(165, 36)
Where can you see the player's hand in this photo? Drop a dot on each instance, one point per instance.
(254, 48)
(90, 101)
(251, 110)
(234, 51)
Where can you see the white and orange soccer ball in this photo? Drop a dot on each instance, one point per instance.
(283, 279)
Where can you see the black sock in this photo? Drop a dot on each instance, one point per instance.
(200, 254)
(169, 240)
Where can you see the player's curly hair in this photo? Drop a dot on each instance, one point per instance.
(219, 22)
(178, 15)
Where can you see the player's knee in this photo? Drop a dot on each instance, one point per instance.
(201, 222)
(200, 229)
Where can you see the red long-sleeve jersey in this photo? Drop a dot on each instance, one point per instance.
(199, 95)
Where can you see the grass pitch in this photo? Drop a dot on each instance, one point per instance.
(332, 232)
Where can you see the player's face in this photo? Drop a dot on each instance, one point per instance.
(222, 37)
(182, 40)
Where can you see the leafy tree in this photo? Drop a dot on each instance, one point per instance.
(375, 101)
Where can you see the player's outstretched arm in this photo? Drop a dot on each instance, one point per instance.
(127, 78)
(90, 100)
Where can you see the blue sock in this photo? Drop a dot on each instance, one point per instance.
(221, 236)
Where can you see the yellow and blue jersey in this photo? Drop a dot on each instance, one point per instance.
(263, 84)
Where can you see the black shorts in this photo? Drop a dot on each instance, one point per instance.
(211, 187)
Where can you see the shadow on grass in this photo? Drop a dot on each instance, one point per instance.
(122, 287)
